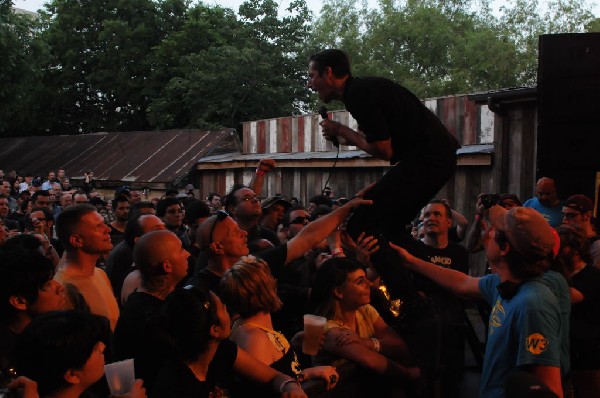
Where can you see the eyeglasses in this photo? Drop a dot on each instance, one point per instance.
(175, 211)
(300, 220)
(250, 198)
(570, 216)
(221, 215)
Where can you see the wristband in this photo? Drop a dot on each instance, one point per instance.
(288, 381)
(337, 250)
(260, 172)
(376, 344)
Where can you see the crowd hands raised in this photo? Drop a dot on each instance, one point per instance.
(208, 296)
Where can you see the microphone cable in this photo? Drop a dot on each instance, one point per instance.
(325, 115)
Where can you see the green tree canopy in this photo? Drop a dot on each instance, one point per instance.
(121, 65)
(442, 47)
(22, 54)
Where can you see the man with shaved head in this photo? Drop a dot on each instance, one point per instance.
(162, 263)
(119, 262)
(546, 201)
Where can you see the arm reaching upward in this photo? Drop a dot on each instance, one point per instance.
(316, 231)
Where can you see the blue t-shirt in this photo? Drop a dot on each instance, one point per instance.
(552, 214)
(523, 330)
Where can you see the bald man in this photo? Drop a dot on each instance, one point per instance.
(162, 263)
(119, 263)
(546, 201)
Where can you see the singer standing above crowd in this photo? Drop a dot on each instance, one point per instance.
(393, 125)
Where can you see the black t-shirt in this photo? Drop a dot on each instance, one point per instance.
(585, 323)
(206, 279)
(8, 340)
(275, 257)
(116, 236)
(176, 380)
(119, 264)
(454, 256)
(129, 336)
(18, 218)
(386, 110)
(256, 234)
(587, 281)
(292, 288)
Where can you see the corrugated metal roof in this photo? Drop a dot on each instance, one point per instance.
(284, 156)
(138, 156)
(473, 149)
(331, 155)
(513, 93)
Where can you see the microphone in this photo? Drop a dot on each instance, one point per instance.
(323, 112)
(325, 115)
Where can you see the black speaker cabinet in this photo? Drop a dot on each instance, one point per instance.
(568, 141)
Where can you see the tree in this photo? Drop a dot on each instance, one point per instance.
(441, 47)
(227, 71)
(102, 56)
(524, 22)
(22, 54)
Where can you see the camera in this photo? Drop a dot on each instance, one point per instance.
(489, 199)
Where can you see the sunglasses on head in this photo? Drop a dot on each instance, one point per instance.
(220, 216)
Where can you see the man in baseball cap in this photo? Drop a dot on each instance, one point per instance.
(529, 320)
(273, 210)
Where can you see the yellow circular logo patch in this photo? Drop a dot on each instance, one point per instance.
(536, 343)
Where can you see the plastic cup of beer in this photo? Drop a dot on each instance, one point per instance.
(314, 327)
(120, 376)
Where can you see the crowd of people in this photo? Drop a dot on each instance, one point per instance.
(208, 295)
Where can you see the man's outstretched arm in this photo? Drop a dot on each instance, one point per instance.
(455, 281)
(316, 231)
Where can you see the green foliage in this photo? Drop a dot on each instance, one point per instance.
(22, 53)
(101, 60)
(442, 47)
(525, 22)
(225, 70)
(121, 65)
(593, 26)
